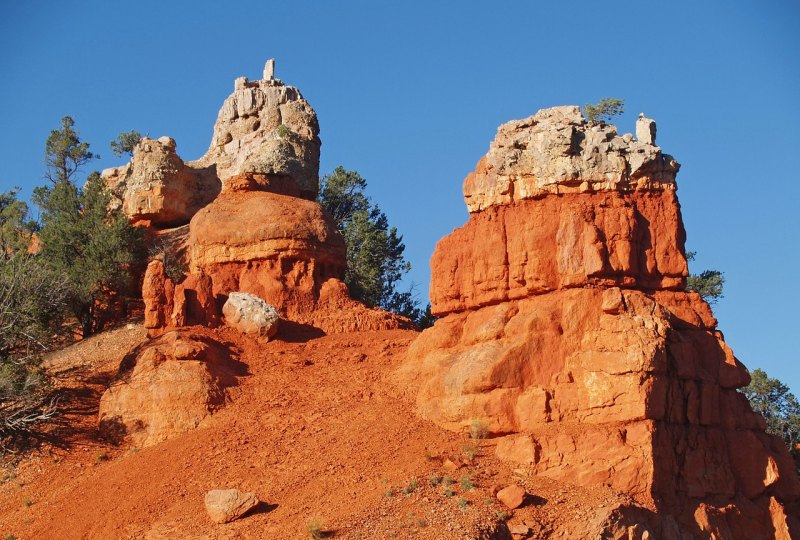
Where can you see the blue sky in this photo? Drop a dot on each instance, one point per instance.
(411, 93)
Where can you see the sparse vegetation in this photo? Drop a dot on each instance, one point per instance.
(448, 481)
(478, 429)
(411, 487)
(708, 283)
(283, 131)
(463, 503)
(435, 480)
(448, 492)
(603, 110)
(470, 451)
(172, 257)
(125, 143)
(315, 528)
(466, 483)
(101, 457)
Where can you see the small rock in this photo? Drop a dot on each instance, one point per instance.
(448, 465)
(512, 496)
(519, 528)
(225, 505)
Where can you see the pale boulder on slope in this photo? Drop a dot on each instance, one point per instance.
(250, 315)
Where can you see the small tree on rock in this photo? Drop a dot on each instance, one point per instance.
(708, 283)
(604, 110)
(125, 143)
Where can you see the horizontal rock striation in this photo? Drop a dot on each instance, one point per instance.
(565, 327)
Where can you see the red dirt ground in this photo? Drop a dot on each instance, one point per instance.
(315, 428)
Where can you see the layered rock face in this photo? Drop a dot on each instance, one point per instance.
(566, 328)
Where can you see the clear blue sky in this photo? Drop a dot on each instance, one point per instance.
(410, 94)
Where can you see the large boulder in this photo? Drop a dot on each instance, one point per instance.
(565, 327)
(166, 388)
(250, 315)
(266, 127)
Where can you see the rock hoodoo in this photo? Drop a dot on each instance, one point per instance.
(253, 224)
(567, 328)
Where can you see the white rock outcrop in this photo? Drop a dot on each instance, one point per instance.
(558, 151)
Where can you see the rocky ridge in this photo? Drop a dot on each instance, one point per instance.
(567, 330)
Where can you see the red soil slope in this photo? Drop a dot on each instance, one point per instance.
(314, 428)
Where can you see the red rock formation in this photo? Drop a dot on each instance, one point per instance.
(263, 233)
(167, 388)
(567, 329)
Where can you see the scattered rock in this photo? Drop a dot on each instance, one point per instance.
(226, 505)
(250, 315)
(512, 496)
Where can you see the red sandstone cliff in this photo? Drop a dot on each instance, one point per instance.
(566, 328)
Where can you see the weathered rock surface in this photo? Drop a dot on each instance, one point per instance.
(264, 129)
(168, 387)
(555, 151)
(566, 328)
(250, 315)
(573, 240)
(157, 188)
(226, 505)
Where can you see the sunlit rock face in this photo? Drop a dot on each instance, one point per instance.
(566, 327)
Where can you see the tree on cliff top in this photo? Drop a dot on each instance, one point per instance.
(125, 143)
(375, 262)
(604, 110)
